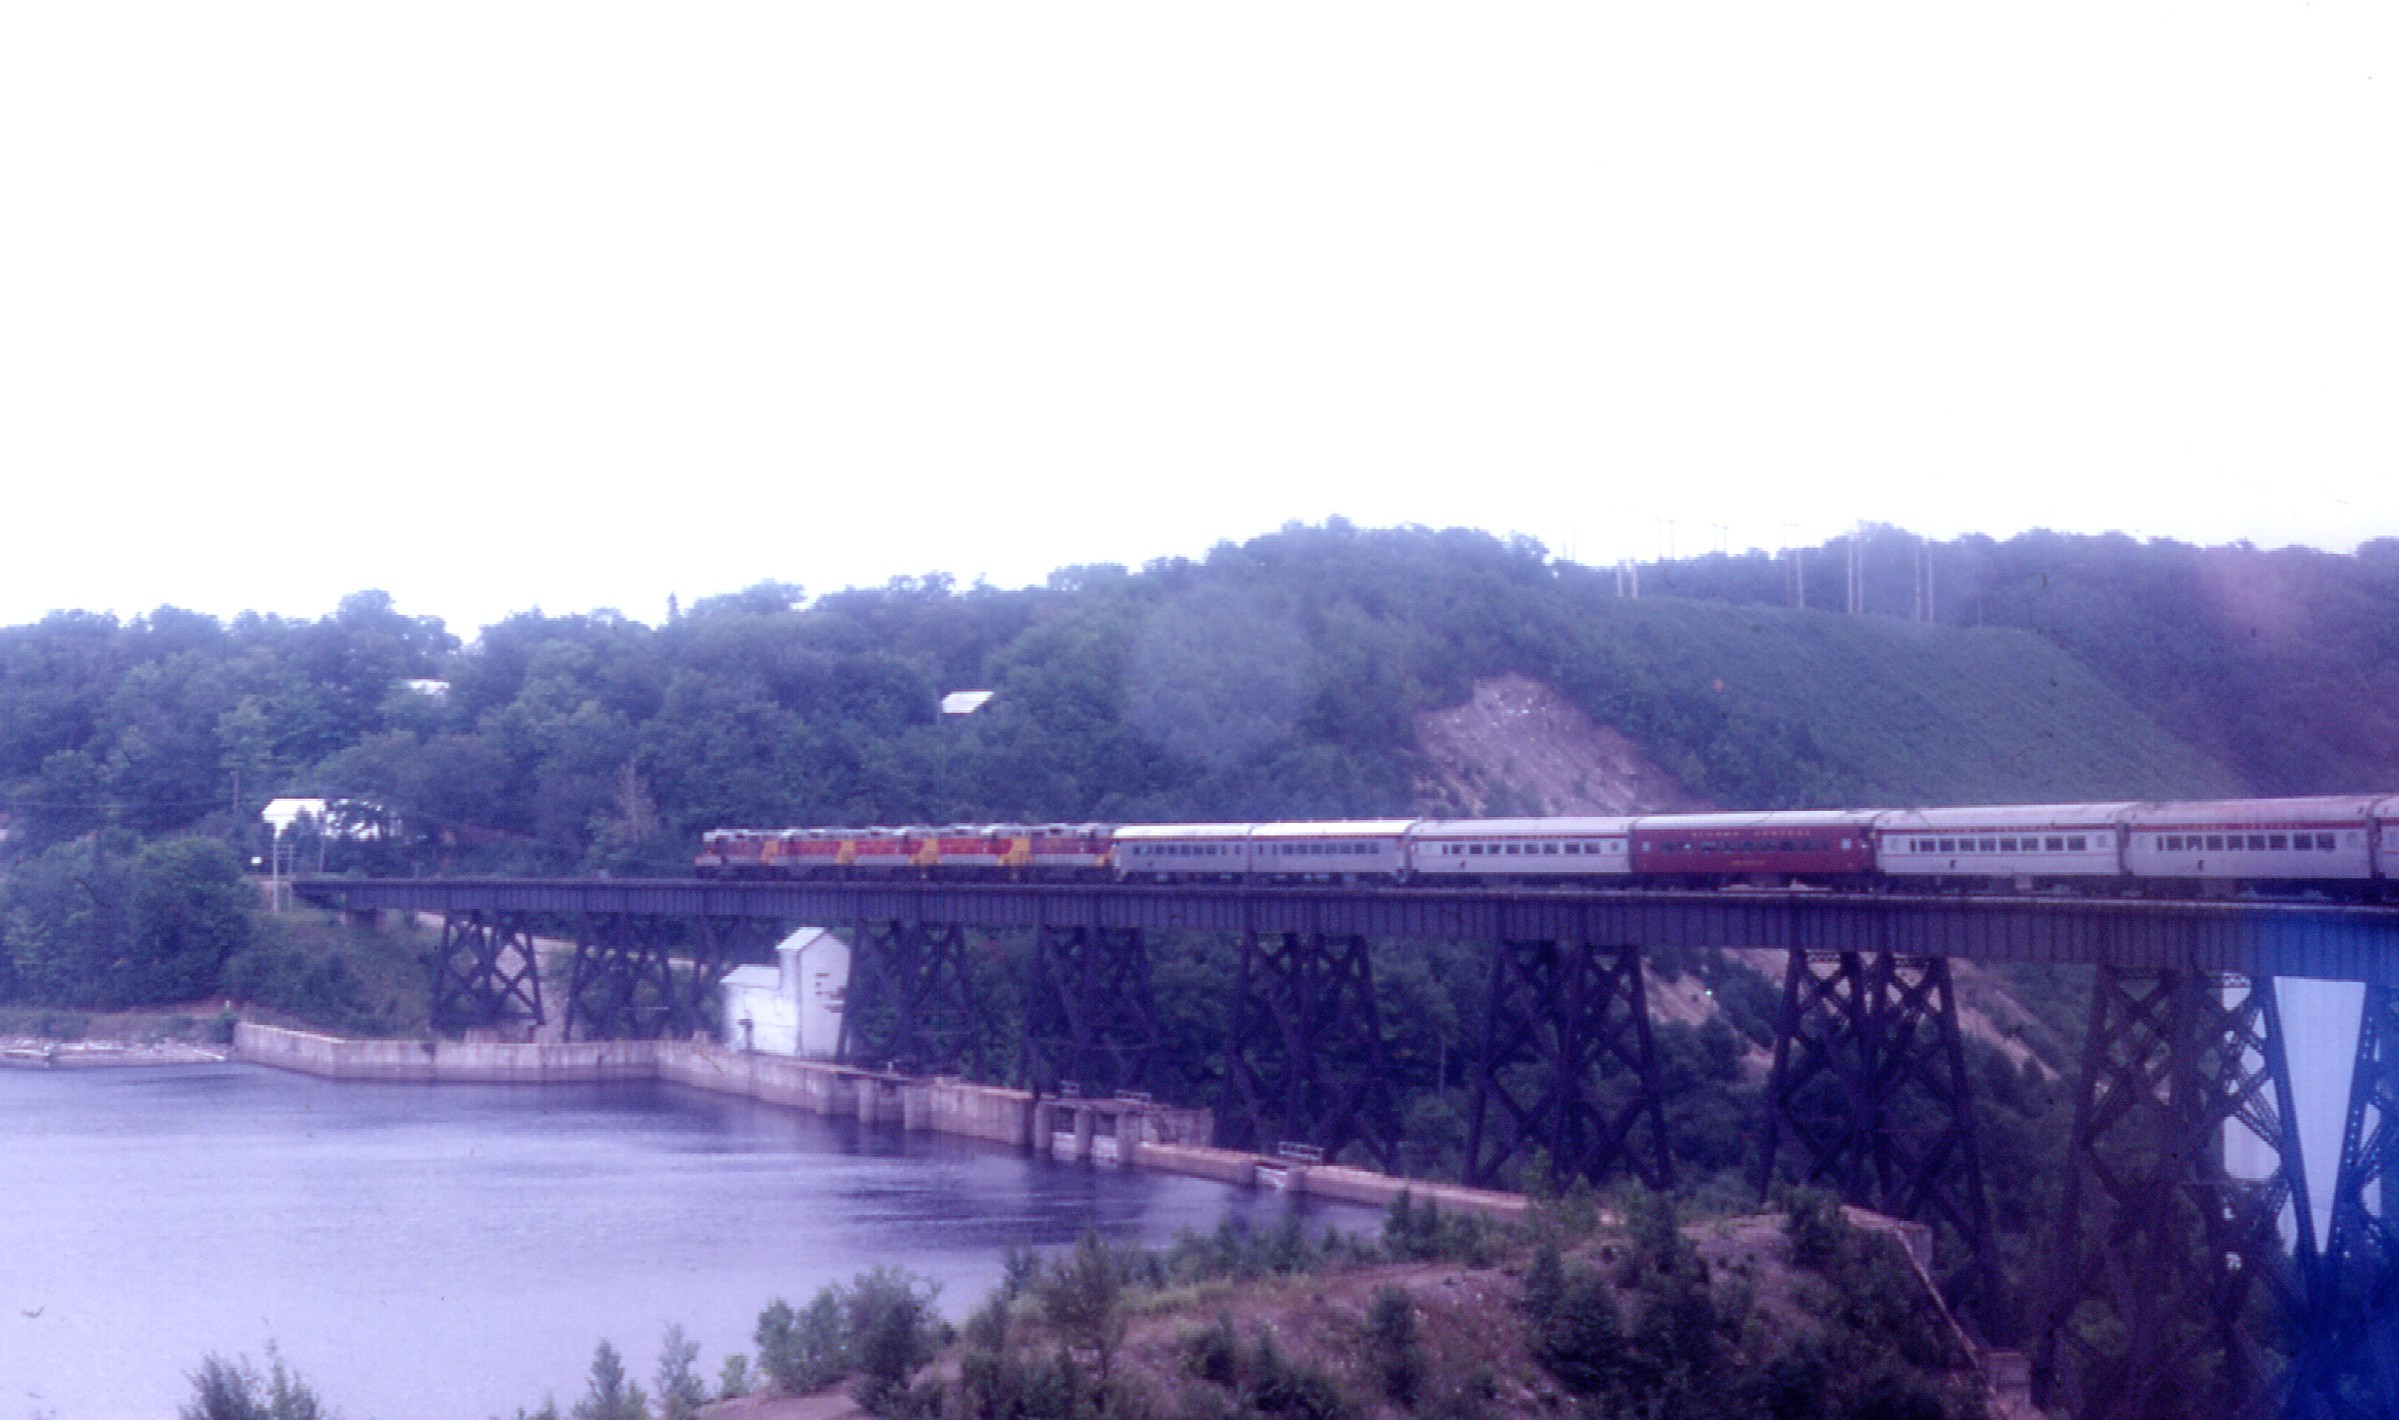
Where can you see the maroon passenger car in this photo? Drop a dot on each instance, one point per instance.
(1811, 846)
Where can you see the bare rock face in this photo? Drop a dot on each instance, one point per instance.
(1518, 747)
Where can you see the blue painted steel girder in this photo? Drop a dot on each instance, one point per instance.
(2254, 938)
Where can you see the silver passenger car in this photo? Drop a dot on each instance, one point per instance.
(1333, 850)
(2015, 841)
(1161, 851)
(2289, 840)
(1521, 847)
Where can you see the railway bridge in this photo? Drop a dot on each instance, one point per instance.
(1869, 1093)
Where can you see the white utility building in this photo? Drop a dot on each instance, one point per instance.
(794, 1006)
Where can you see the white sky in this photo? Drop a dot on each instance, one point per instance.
(502, 304)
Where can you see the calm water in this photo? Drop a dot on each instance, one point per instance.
(451, 1253)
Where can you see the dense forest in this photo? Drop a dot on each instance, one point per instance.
(1279, 677)
(1286, 677)
(1289, 676)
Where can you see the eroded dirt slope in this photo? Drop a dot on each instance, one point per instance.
(1519, 747)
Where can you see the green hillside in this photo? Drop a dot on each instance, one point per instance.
(1279, 678)
(2281, 664)
(1880, 711)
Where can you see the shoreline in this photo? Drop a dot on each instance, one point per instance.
(1130, 1133)
(38, 1053)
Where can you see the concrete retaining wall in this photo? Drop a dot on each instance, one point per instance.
(1139, 1134)
(445, 1062)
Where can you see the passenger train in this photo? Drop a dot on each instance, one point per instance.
(2345, 847)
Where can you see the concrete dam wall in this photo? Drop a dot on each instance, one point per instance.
(1137, 1133)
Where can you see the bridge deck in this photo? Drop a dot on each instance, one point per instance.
(2325, 941)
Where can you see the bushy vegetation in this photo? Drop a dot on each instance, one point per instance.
(1575, 1310)
(1279, 677)
(880, 1328)
(108, 922)
(237, 1389)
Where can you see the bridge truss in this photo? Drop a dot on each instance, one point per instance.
(1869, 1095)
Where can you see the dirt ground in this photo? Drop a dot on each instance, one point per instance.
(1518, 747)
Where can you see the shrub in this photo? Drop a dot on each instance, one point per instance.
(1814, 1226)
(733, 1378)
(1426, 1234)
(893, 1333)
(804, 1351)
(1581, 1341)
(1544, 1282)
(1211, 1353)
(1083, 1298)
(1281, 1386)
(999, 1385)
(1398, 1355)
(237, 1390)
(681, 1392)
(1020, 1269)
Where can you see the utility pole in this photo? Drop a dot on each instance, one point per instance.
(1857, 570)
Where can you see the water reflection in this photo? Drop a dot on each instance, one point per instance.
(455, 1251)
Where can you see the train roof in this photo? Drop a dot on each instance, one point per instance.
(2003, 816)
(1776, 818)
(2327, 808)
(1506, 826)
(1183, 830)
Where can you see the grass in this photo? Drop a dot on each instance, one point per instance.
(1897, 713)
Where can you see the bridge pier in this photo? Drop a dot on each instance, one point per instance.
(1870, 1095)
(911, 1001)
(2154, 1230)
(1568, 1065)
(621, 983)
(2348, 1360)
(1090, 1015)
(1306, 1059)
(485, 972)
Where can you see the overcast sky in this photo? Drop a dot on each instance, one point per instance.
(497, 305)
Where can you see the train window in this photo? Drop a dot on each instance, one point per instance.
(2075, 844)
(1475, 848)
(1549, 850)
(2007, 845)
(2324, 843)
(2215, 843)
(2257, 843)
(1990, 845)
(1512, 850)
(2057, 845)
(2276, 843)
(1949, 845)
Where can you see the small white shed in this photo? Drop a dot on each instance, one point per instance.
(794, 1006)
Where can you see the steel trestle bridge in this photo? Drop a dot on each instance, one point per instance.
(1869, 1093)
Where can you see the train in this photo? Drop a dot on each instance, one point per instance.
(2336, 847)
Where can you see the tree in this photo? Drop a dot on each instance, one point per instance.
(608, 1395)
(894, 1332)
(1083, 1298)
(189, 914)
(805, 1351)
(681, 1392)
(236, 1390)
(1398, 1355)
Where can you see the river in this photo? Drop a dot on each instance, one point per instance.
(453, 1252)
